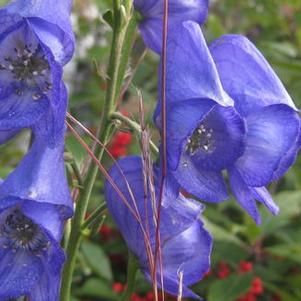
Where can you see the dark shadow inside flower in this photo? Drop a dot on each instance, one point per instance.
(29, 77)
(30, 257)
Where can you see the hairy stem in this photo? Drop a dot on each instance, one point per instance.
(114, 69)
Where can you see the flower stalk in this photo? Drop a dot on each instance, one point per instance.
(115, 74)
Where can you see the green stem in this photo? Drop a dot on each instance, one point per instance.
(126, 50)
(132, 270)
(134, 126)
(94, 216)
(77, 173)
(105, 126)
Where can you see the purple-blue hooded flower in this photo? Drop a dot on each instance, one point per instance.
(30, 255)
(34, 44)
(34, 204)
(185, 244)
(256, 140)
(152, 12)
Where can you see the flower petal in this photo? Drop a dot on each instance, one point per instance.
(185, 245)
(40, 177)
(53, 27)
(186, 210)
(48, 287)
(272, 131)
(188, 253)
(246, 75)
(190, 70)
(243, 195)
(19, 112)
(183, 118)
(262, 195)
(179, 11)
(7, 135)
(19, 273)
(47, 216)
(205, 185)
(288, 159)
(226, 138)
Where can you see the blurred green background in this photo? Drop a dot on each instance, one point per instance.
(264, 261)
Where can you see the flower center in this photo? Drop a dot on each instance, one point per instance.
(21, 233)
(201, 139)
(28, 65)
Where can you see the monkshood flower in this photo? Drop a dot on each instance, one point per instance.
(152, 12)
(256, 141)
(273, 137)
(185, 244)
(30, 255)
(34, 204)
(35, 42)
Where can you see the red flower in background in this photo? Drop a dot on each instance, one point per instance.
(255, 290)
(119, 144)
(245, 266)
(223, 270)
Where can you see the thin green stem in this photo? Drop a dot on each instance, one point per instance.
(132, 270)
(134, 126)
(77, 173)
(126, 50)
(94, 216)
(104, 129)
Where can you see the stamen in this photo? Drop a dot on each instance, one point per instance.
(36, 96)
(21, 233)
(200, 140)
(28, 66)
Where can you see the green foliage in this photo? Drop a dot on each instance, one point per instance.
(230, 288)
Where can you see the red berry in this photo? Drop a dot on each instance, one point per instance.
(119, 143)
(245, 266)
(223, 270)
(257, 286)
(118, 287)
(150, 296)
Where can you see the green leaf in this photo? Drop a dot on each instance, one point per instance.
(109, 18)
(290, 206)
(230, 288)
(290, 251)
(97, 260)
(96, 288)
(283, 294)
(77, 150)
(221, 234)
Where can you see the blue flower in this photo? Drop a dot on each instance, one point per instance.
(185, 244)
(34, 204)
(256, 140)
(152, 12)
(34, 45)
(30, 256)
(273, 137)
